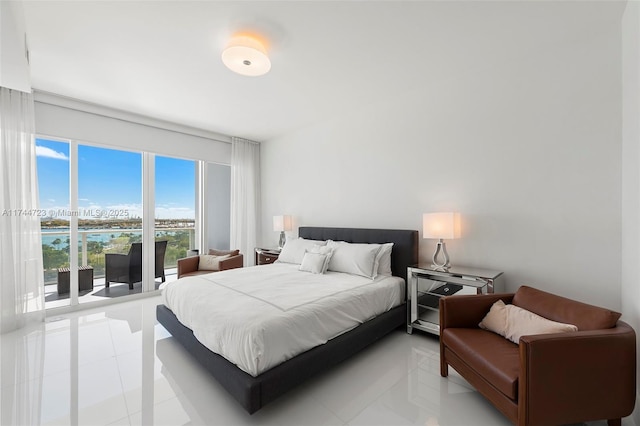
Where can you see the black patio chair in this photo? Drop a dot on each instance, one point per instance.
(127, 268)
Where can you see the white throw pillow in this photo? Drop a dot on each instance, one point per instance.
(209, 262)
(513, 322)
(294, 249)
(313, 262)
(324, 250)
(352, 258)
(384, 259)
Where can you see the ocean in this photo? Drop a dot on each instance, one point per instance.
(50, 235)
(101, 235)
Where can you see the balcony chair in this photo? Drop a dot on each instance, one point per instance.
(127, 268)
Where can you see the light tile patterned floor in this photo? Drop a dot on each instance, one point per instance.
(117, 366)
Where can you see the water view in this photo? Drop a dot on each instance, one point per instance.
(109, 199)
(97, 240)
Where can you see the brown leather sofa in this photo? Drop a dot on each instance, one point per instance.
(547, 379)
(188, 266)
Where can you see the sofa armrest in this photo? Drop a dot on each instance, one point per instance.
(582, 374)
(188, 264)
(466, 311)
(232, 263)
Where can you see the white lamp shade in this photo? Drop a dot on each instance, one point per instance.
(441, 225)
(246, 55)
(282, 223)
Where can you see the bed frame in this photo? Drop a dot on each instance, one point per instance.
(255, 392)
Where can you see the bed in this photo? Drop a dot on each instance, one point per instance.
(253, 392)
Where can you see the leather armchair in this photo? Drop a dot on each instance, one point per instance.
(547, 379)
(188, 266)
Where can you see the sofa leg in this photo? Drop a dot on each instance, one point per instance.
(444, 368)
(614, 422)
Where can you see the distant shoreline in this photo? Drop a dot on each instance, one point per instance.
(114, 224)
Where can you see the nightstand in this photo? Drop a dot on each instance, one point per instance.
(426, 285)
(265, 256)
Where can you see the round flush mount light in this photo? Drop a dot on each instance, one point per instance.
(246, 55)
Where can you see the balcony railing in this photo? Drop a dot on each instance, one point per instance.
(180, 240)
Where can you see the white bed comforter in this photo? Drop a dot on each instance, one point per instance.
(261, 316)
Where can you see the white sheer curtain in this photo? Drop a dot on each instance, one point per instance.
(245, 196)
(21, 279)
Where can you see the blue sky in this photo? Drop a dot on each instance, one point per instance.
(110, 179)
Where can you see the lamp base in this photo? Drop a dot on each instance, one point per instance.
(283, 239)
(444, 264)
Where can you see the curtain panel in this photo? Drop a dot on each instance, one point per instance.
(21, 275)
(245, 196)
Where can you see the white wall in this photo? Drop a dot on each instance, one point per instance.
(630, 172)
(14, 67)
(526, 145)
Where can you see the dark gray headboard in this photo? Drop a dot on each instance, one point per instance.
(405, 242)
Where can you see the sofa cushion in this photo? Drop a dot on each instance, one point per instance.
(561, 309)
(492, 357)
(209, 262)
(223, 252)
(512, 322)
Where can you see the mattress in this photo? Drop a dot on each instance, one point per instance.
(261, 316)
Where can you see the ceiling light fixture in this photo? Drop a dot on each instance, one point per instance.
(246, 55)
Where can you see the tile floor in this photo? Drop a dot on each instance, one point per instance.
(117, 366)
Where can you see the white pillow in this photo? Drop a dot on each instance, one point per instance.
(356, 259)
(209, 262)
(324, 250)
(314, 262)
(384, 259)
(294, 249)
(512, 322)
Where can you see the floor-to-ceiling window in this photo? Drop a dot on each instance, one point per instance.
(110, 220)
(53, 188)
(93, 195)
(175, 207)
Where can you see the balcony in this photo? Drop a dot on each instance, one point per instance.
(92, 247)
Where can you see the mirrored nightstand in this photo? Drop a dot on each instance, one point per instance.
(265, 256)
(426, 285)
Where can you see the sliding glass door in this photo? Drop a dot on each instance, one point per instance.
(52, 159)
(115, 222)
(175, 210)
(110, 221)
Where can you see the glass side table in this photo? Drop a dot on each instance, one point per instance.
(426, 285)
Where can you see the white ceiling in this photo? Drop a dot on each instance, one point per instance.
(162, 58)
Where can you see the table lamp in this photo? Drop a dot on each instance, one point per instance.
(441, 226)
(282, 224)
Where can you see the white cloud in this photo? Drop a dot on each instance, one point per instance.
(43, 151)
